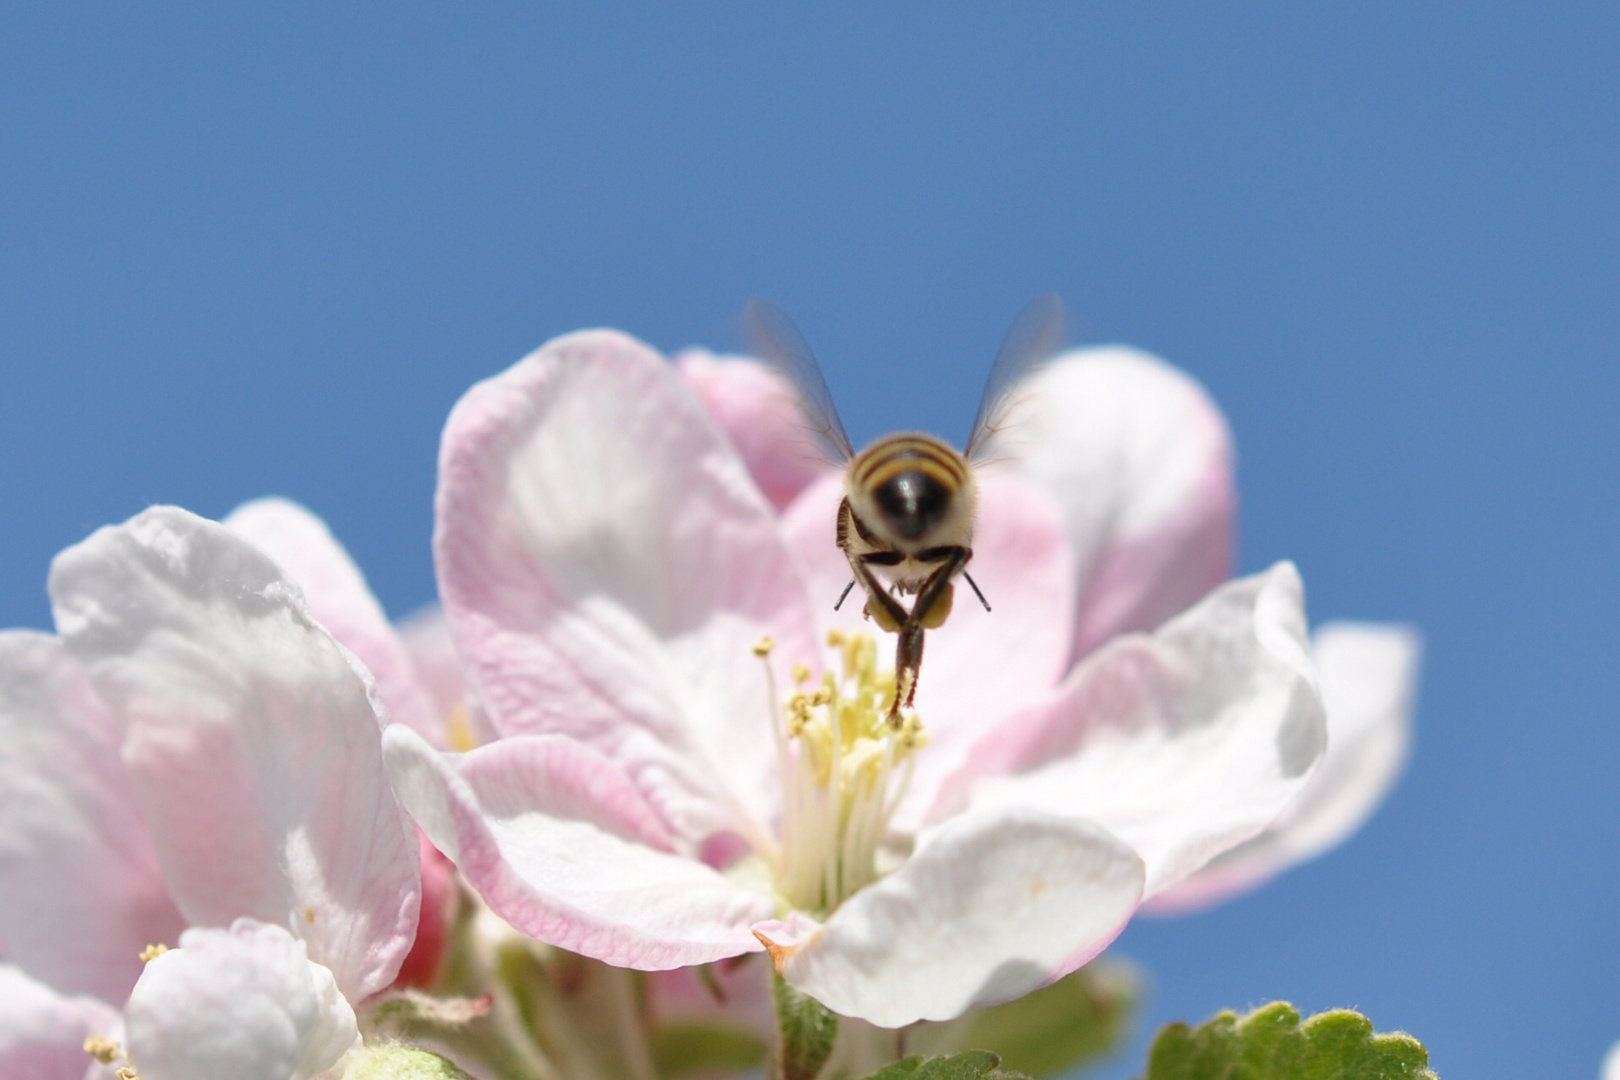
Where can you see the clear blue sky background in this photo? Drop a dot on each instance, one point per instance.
(246, 253)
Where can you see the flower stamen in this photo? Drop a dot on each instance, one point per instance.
(846, 765)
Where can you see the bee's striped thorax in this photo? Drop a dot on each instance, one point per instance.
(904, 450)
(909, 492)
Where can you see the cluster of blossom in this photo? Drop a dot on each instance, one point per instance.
(640, 732)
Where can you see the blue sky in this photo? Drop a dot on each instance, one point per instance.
(246, 252)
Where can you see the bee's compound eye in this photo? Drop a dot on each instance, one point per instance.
(912, 502)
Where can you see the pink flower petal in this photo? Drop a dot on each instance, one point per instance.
(244, 1003)
(993, 906)
(758, 412)
(80, 891)
(559, 842)
(980, 665)
(42, 1032)
(1184, 743)
(1141, 461)
(340, 599)
(441, 903)
(607, 566)
(253, 743)
(1369, 676)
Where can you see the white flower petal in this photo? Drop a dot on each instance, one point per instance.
(992, 906)
(1183, 743)
(244, 1003)
(1369, 675)
(80, 890)
(252, 737)
(1141, 461)
(340, 599)
(559, 843)
(607, 565)
(42, 1032)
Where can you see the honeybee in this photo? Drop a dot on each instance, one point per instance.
(910, 499)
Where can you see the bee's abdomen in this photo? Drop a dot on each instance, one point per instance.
(914, 482)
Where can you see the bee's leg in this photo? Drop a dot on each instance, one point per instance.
(976, 591)
(938, 584)
(909, 649)
(908, 653)
(890, 613)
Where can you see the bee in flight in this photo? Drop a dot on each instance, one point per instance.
(906, 521)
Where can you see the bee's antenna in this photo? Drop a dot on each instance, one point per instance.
(976, 591)
(845, 594)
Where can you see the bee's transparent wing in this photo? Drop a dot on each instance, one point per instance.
(1035, 335)
(780, 344)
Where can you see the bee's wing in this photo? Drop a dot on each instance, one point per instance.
(1035, 335)
(780, 344)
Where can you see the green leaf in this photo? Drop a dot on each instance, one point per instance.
(693, 1048)
(1271, 1044)
(808, 1030)
(971, 1065)
(1076, 1019)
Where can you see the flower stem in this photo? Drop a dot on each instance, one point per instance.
(806, 1032)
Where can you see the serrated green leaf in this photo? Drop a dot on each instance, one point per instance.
(1271, 1044)
(807, 1029)
(1076, 1019)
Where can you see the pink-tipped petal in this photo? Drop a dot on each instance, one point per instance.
(559, 843)
(1369, 676)
(981, 665)
(992, 906)
(1141, 461)
(80, 890)
(757, 411)
(607, 565)
(42, 1032)
(1184, 743)
(252, 738)
(245, 1003)
(340, 599)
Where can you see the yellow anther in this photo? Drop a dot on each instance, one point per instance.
(127, 1073)
(103, 1049)
(821, 697)
(766, 644)
(800, 673)
(835, 638)
(152, 952)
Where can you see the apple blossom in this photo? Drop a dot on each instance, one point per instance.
(662, 794)
(194, 749)
(1141, 462)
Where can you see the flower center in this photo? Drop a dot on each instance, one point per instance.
(845, 767)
